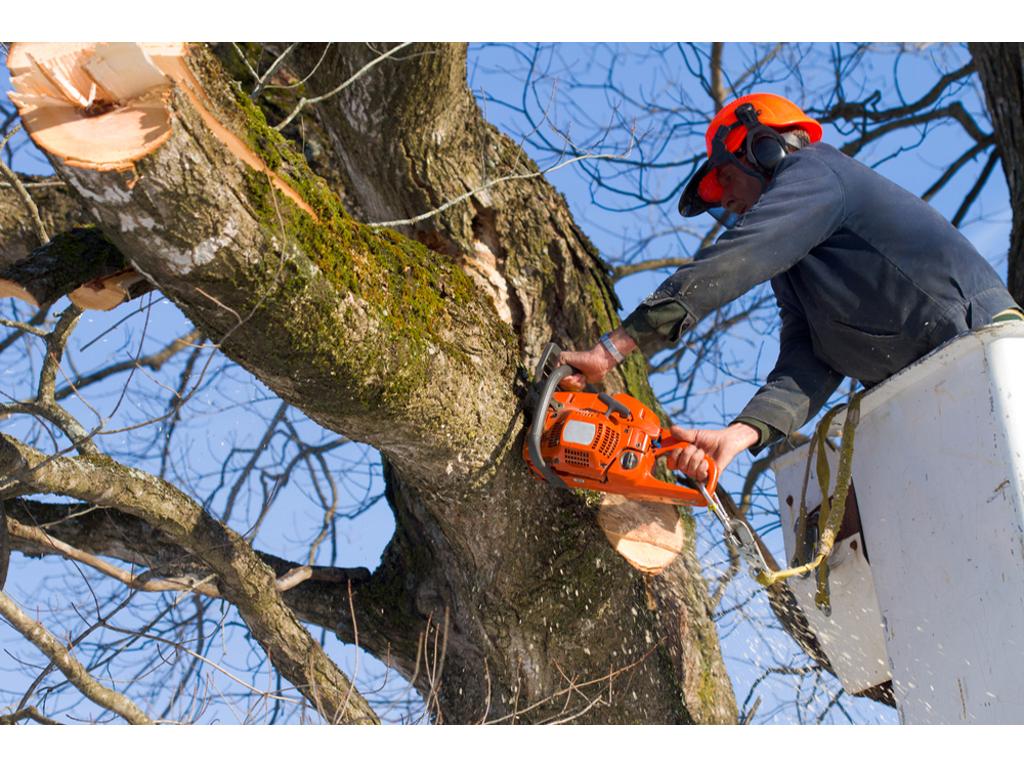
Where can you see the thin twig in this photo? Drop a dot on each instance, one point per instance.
(271, 71)
(72, 668)
(291, 86)
(241, 55)
(24, 327)
(304, 102)
(154, 362)
(26, 199)
(494, 182)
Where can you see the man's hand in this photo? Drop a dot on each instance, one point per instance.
(593, 364)
(721, 445)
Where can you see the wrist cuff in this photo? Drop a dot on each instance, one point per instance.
(766, 433)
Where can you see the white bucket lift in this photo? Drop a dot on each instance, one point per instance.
(930, 593)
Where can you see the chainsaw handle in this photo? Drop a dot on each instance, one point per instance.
(669, 443)
(540, 414)
(614, 406)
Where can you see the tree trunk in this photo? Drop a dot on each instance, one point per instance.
(1000, 67)
(497, 592)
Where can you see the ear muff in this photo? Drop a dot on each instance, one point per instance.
(764, 146)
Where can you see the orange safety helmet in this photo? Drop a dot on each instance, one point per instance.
(749, 132)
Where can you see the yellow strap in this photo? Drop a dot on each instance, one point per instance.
(1009, 314)
(830, 518)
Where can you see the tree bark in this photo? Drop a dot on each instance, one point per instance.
(1000, 68)
(58, 210)
(527, 613)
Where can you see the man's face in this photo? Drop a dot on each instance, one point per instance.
(739, 190)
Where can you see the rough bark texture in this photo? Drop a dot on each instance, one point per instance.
(416, 351)
(58, 210)
(68, 261)
(1000, 67)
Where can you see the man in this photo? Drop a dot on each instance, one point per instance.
(867, 276)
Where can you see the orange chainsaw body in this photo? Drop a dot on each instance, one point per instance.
(604, 443)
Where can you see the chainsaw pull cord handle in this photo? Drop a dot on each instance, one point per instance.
(670, 443)
(537, 425)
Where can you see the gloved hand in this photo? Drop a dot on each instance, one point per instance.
(593, 364)
(721, 445)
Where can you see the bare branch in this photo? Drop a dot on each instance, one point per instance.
(154, 362)
(718, 93)
(26, 199)
(142, 582)
(492, 183)
(27, 713)
(975, 190)
(261, 82)
(73, 669)
(242, 577)
(645, 266)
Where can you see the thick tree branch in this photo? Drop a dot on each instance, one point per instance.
(58, 210)
(1001, 71)
(390, 343)
(383, 603)
(71, 260)
(303, 102)
(385, 334)
(242, 577)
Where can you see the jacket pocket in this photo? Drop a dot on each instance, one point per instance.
(866, 354)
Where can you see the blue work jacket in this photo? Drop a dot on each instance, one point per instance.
(868, 278)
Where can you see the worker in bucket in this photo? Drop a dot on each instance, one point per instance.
(867, 276)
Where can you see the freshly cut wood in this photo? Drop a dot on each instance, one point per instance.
(648, 536)
(11, 290)
(512, 596)
(81, 264)
(106, 292)
(94, 105)
(103, 106)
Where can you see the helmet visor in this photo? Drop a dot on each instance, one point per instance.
(693, 201)
(704, 190)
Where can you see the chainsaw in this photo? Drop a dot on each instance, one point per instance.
(611, 443)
